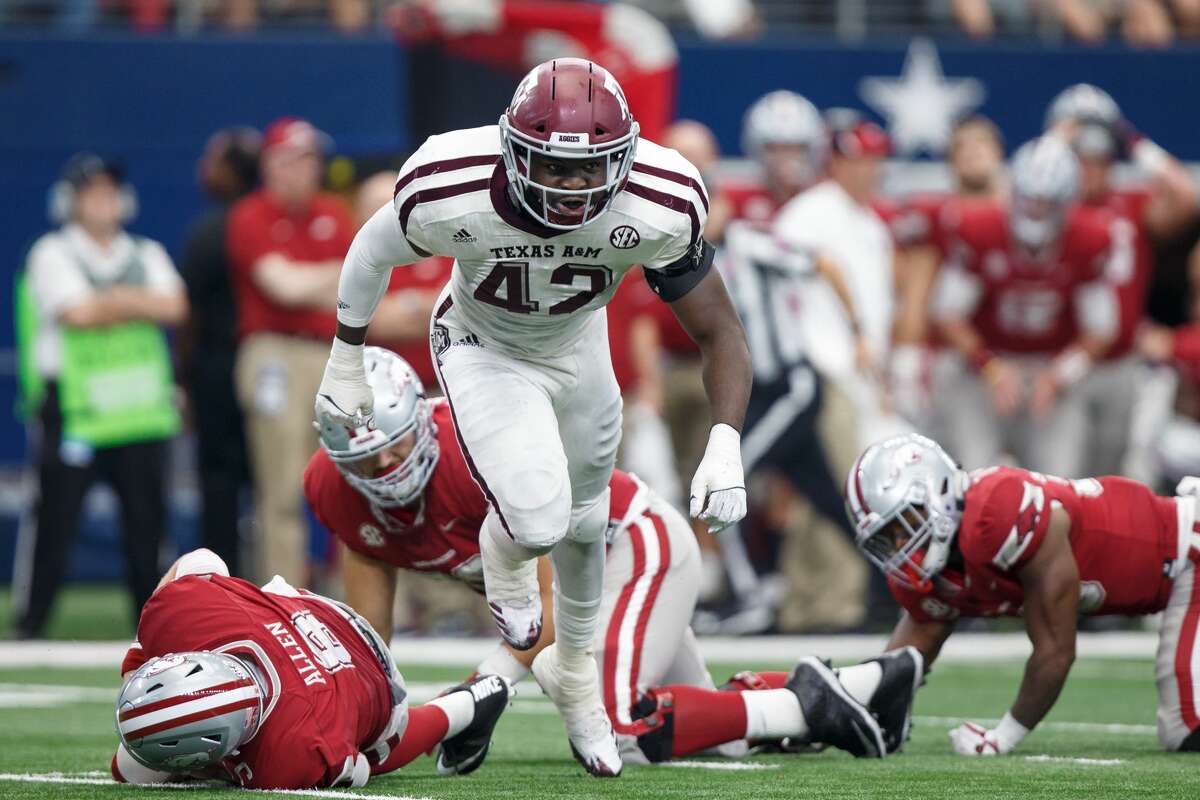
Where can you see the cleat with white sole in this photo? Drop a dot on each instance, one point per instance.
(577, 696)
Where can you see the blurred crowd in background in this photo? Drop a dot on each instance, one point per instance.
(872, 306)
(1140, 23)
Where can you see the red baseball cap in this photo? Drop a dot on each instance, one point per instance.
(863, 138)
(295, 133)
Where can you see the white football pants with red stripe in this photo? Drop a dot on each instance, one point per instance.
(651, 579)
(1177, 668)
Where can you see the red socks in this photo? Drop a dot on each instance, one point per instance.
(426, 726)
(704, 718)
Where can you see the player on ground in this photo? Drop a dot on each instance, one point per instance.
(278, 688)
(405, 499)
(1009, 542)
(1025, 300)
(544, 214)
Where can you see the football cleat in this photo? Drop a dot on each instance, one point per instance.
(833, 716)
(903, 673)
(577, 696)
(463, 753)
(513, 597)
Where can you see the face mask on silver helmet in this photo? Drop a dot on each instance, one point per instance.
(1045, 181)
(904, 497)
(187, 711)
(785, 118)
(401, 410)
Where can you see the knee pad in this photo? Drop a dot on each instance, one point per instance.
(536, 507)
(589, 521)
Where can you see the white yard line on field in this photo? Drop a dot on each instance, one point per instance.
(58, 777)
(1090, 762)
(725, 765)
(1068, 727)
(962, 648)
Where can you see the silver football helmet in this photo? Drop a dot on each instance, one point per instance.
(783, 117)
(1045, 181)
(400, 409)
(904, 497)
(1083, 102)
(187, 711)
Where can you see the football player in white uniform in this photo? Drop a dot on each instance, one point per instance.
(544, 213)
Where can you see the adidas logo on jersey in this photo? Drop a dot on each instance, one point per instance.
(462, 236)
(486, 687)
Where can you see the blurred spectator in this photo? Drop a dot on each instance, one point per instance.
(99, 375)
(286, 243)
(1143, 216)
(515, 35)
(1025, 300)
(1144, 23)
(206, 346)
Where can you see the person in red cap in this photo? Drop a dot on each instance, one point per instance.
(286, 243)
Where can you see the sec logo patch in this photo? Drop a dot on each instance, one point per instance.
(371, 536)
(624, 237)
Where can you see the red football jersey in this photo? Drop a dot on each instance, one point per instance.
(914, 220)
(1123, 536)
(1132, 264)
(441, 534)
(329, 697)
(1026, 306)
(750, 201)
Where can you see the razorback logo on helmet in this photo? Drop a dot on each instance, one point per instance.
(163, 664)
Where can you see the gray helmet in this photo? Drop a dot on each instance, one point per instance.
(783, 117)
(1083, 102)
(187, 711)
(400, 408)
(904, 497)
(1045, 181)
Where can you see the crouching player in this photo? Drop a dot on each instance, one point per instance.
(400, 496)
(1002, 541)
(277, 688)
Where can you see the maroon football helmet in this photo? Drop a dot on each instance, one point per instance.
(568, 109)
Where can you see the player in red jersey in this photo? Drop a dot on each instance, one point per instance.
(401, 496)
(782, 132)
(277, 688)
(1145, 214)
(1010, 542)
(1025, 301)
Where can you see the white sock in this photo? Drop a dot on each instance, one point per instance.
(773, 714)
(578, 590)
(459, 708)
(861, 680)
(503, 663)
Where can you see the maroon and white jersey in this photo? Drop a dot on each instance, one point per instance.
(330, 696)
(1131, 273)
(520, 286)
(1019, 304)
(1125, 540)
(440, 534)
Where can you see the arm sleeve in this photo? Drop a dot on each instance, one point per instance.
(379, 246)
(1010, 526)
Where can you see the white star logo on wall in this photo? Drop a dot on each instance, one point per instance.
(922, 105)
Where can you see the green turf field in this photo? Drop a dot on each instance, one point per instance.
(530, 757)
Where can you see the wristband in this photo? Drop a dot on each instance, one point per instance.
(724, 436)
(1071, 366)
(345, 357)
(1010, 732)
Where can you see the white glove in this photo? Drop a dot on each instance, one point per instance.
(970, 739)
(344, 397)
(719, 487)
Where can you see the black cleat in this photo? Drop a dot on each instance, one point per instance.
(833, 716)
(903, 674)
(463, 753)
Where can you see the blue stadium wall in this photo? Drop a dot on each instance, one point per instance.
(154, 101)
